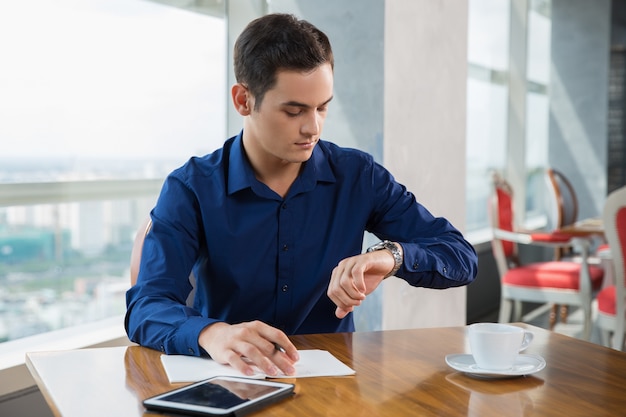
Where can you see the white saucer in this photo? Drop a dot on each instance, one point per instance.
(524, 365)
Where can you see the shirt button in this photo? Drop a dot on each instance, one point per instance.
(285, 248)
(445, 270)
(284, 206)
(416, 265)
(190, 350)
(162, 348)
(285, 288)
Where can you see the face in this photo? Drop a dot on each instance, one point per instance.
(287, 125)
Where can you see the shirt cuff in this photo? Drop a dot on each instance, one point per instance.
(186, 340)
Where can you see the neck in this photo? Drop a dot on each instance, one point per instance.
(279, 178)
(277, 174)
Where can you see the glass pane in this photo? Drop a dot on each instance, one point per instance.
(488, 36)
(539, 29)
(65, 264)
(486, 147)
(488, 40)
(92, 91)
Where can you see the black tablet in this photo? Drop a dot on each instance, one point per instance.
(220, 396)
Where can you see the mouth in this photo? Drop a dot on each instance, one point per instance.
(307, 145)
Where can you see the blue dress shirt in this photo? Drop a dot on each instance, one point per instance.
(258, 256)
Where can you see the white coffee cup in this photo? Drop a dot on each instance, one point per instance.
(495, 346)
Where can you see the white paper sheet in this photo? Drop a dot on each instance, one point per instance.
(182, 368)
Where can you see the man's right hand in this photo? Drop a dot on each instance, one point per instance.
(252, 343)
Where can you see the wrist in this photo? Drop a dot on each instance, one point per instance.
(208, 334)
(394, 249)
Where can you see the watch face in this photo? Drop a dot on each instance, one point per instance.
(379, 246)
(376, 246)
(389, 245)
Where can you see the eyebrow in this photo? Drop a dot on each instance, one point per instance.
(303, 105)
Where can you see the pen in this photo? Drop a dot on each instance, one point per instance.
(279, 348)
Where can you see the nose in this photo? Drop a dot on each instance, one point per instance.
(312, 124)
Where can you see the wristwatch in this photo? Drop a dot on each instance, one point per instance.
(395, 251)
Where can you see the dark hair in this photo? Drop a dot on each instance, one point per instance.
(277, 42)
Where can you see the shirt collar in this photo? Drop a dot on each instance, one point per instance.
(239, 169)
(240, 174)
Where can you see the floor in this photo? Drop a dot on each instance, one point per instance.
(26, 403)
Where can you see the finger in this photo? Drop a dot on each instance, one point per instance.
(350, 297)
(284, 363)
(343, 285)
(254, 356)
(351, 279)
(276, 348)
(341, 312)
(348, 307)
(358, 281)
(284, 345)
(354, 272)
(343, 301)
(282, 352)
(241, 364)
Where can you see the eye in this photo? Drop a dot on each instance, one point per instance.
(293, 113)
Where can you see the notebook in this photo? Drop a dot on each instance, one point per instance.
(312, 363)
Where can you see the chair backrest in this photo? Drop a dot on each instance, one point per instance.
(566, 201)
(503, 218)
(135, 259)
(135, 254)
(614, 217)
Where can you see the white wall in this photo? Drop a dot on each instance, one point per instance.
(579, 97)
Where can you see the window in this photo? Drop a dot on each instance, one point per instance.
(100, 100)
(488, 103)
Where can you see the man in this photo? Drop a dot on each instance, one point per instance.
(272, 223)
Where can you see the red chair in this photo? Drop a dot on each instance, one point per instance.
(612, 299)
(550, 282)
(565, 213)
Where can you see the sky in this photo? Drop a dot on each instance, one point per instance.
(109, 79)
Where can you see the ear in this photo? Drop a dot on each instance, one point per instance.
(242, 100)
